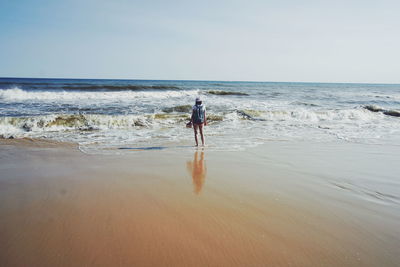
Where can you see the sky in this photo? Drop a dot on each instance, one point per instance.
(253, 40)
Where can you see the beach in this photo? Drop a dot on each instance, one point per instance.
(278, 204)
(199, 133)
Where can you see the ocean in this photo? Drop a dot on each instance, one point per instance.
(103, 116)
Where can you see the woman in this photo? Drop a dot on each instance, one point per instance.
(198, 119)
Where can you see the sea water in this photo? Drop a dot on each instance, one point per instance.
(106, 115)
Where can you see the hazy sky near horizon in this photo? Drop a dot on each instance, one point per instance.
(261, 40)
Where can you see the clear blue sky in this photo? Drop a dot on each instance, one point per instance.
(326, 41)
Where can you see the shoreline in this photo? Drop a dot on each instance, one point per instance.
(283, 203)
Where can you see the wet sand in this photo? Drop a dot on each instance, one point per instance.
(280, 204)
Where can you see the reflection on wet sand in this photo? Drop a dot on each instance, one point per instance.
(198, 170)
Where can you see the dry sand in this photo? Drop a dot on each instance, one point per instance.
(282, 204)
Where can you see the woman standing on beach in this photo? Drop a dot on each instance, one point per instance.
(198, 119)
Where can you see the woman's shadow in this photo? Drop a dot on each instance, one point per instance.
(198, 170)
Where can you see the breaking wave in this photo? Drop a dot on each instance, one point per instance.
(15, 126)
(393, 113)
(174, 117)
(22, 126)
(304, 115)
(119, 87)
(17, 94)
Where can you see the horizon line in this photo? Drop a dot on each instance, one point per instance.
(195, 80)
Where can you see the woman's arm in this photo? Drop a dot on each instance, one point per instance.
(191, 117)
(205, 118)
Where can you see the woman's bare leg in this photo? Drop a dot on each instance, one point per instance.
(195, 134)
(201, 134)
